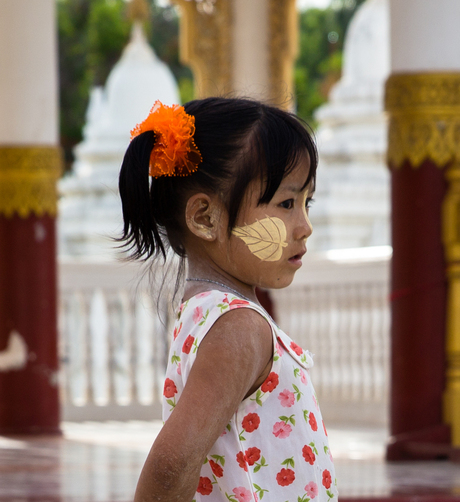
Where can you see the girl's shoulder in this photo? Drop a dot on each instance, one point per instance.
(201, 309)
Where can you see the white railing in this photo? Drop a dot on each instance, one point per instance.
(113, 346)
(337, 307)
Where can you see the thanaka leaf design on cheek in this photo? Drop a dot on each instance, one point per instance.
(265, 238)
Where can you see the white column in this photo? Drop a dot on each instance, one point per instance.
(28, 73)
(250, 48)
(425, 35)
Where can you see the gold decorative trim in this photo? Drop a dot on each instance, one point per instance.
(28, 177)
(206, 46)
(283, 47)
(424, 118)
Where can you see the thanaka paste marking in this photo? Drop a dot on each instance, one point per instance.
(265, 238)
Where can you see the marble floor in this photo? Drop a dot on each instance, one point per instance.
(100, 462)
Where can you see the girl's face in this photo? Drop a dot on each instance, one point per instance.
(268, 242)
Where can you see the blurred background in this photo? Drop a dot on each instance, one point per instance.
(84, 335)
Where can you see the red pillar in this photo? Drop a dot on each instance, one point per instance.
(418, 306)
(28, 383)
(424, 110)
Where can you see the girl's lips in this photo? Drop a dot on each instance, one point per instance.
(297, 259)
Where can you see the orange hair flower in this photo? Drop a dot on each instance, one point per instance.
(175, 152)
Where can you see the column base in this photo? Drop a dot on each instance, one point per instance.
(432, 443)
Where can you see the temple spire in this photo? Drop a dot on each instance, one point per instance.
(138, 11)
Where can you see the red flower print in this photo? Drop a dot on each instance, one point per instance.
(324, 427)
(296, 348)
(170, 388)
(252, 455)
(270, 383)
(251, 422)
(308, 455)
(216, 469)
(285, 477)
(311, 489)
(177, 331)
(242, 494)
(312, 422)
(188, 344)
(241, 460)
(197, 314)
(286, 398)
(234, 304)
(281, 430)
(327, 480)
(204, 486)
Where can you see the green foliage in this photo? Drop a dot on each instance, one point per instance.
(318, 67)
(92, 35)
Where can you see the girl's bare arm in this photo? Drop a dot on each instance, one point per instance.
(230, 360)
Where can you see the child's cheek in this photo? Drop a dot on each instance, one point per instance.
(265, 238)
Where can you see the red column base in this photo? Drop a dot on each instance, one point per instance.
(432, 443)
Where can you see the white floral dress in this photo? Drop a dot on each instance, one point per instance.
(275, 446)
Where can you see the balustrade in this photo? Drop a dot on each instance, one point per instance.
(114, 335)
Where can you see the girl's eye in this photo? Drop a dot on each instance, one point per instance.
(287, 204)
(309, 202)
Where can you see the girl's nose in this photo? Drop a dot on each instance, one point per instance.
(304, 229)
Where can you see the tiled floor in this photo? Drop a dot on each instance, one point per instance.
(100, 462)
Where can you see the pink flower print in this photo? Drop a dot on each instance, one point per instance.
(324, 427)
(256, 498)
(286, 398)
(311, 489)
(316, 402)
(203, 295)
(179, 369)
(303, 377)
(278, 349)
(281, 430)
(296, 348)
(197, 314)
(242, 494)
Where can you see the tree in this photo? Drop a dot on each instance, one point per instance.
(318, 67)
(92, 35)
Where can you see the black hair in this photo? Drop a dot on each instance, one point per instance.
(240, 140)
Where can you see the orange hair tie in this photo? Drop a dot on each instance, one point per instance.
(175, 152)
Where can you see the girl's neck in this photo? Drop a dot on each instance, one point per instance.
(200, 279)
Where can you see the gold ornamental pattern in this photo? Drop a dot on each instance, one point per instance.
(28, 177)
(283, 48)
(424, 118)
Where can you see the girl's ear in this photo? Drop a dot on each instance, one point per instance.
(202, 216)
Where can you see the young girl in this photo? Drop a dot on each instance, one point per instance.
(230, 185)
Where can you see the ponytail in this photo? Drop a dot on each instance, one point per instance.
(141, 233)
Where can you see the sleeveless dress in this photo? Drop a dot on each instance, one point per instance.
(275, 446)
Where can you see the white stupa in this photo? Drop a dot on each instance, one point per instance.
(352, 205)
(90, 208)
